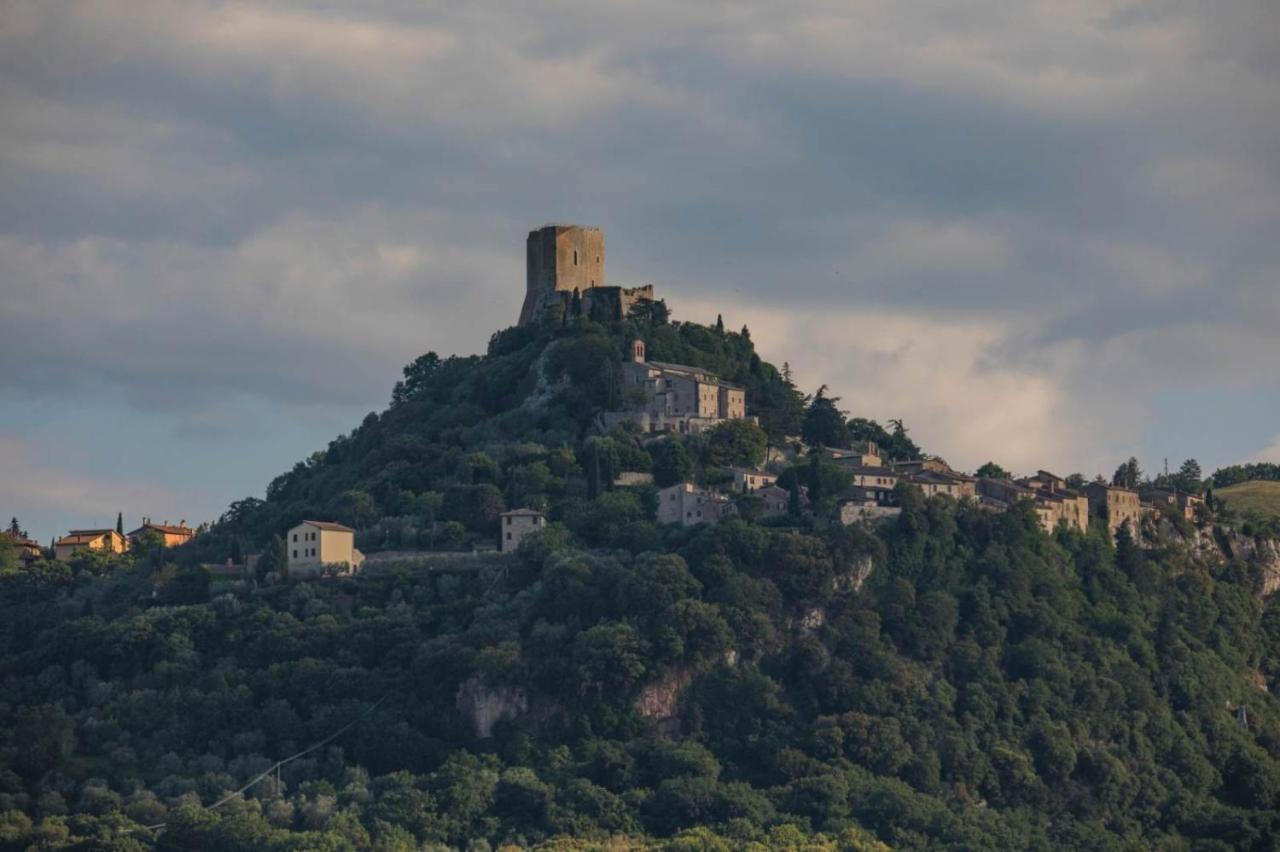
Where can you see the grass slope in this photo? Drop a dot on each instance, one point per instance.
(1259, 496)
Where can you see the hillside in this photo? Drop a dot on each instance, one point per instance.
(953, 678)
(1258, 496)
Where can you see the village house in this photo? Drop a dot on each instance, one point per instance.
(776, 500)
(313, 545)
(688, 505)
(105, 541)
(1120, 506)
(1054, 501)
(872, 477)
(662, 397)
(515, 525)
(750, 481)
(28, 550)
(934, 482)
(1183, 501)
(862, 455)
(869, 504)
(171, 536)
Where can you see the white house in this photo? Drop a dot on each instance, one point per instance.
(312, 545)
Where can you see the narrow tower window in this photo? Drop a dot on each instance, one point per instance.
(575, 257)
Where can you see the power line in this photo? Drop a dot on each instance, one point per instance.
(275, 767)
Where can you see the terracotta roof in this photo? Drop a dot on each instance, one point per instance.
(82, 537)
(94, 533)
(329, 525)
(164, 528)
(521, 513)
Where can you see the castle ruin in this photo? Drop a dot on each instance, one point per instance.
(564, 273)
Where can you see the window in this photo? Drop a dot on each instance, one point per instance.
(295, 552)
(508, 536)
(575, 257)
(295, 541)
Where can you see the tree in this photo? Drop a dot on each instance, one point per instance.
(824, 423)
(9, 558)
(1189, 477)
(991, 470)
(735, 442)
(417, 375)
(719, 324)
(120, 522)
(671, 463)
(1128, 475)
(15, 530)
(237, 557)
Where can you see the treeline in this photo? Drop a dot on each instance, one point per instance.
(986, 686)
(1232, 474)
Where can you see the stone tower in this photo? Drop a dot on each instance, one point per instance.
(560, 258)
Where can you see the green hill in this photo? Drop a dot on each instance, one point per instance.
(1258, 496)
(952, 679)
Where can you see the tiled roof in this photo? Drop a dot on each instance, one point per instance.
(81, 537)
(521, 513)
(165, 528)
(329, 525)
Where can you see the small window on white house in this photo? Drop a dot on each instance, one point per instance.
(295, 553)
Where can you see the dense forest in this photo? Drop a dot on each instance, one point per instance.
(951, 678)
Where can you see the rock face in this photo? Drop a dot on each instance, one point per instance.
(485, 706)
(659, 702)
(1225, 544)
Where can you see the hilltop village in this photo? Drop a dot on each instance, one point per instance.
(617, 578)
(654, 401)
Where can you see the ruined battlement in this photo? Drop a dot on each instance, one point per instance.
(564, 272)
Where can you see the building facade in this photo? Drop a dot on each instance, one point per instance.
(515, 525)
(751, 481)
(105, 541)
(313, 545)
(172, 536)
(689, 505)
(1120, 506)
(675, 398)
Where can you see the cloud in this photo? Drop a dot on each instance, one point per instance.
(1017, 228)
(40, 479)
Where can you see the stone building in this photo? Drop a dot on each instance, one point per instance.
(171, 536)
(689, 505)
(1118, 505)
(1184, 502)
(28, 549)
(312, 545)
(664, 397)
(934, 482)
(1055, 502)
(515, 525)
(865, 454)
(107, 541)
(776, 500)
(750, 481)
(564, 271)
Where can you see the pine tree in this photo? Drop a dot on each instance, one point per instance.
(120, 522)
(719, 324)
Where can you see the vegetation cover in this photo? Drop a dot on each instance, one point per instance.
(953, 678)
(1258, 497)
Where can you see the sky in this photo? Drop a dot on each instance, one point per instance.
(1044, 233)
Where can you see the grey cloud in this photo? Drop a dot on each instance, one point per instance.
(1103, 175)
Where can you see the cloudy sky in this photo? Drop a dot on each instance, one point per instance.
(1046, 233)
